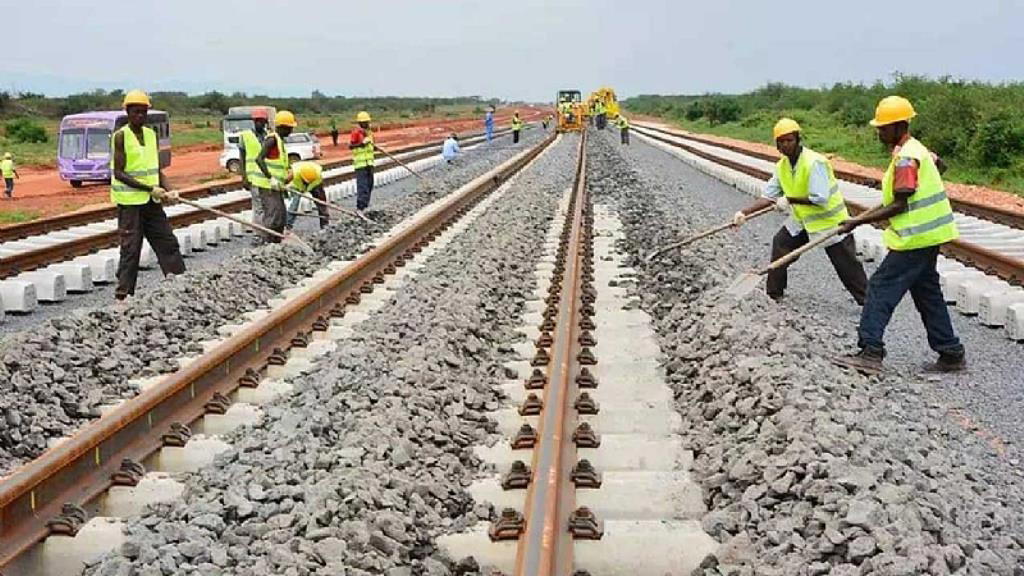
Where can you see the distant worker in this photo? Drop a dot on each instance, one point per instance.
(334, 131)
(307, 178)
(805, 186)
(250, 142)
(517, 127)
(489, 123)
(137, 188)
(9, 174)
(920, 219)
(272, 174)
(601, 113)
(361, 145)
(450, 150)
(544, 123)
(623, 125)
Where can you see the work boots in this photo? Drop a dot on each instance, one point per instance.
(948, 363)
(868, 361)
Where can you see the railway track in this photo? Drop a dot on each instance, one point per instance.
(982, 271)
(53, 494)
(62, 260)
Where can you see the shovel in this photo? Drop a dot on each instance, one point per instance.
(745, 283)
(711, 231)
(344, 211)
(400, 163)
(285, 238)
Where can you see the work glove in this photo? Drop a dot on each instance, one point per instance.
(739, 218)
(159, 194)
(276, 185)
(782, 204)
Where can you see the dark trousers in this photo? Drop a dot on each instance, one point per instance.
(150, 222)
(900, 272)
(334, 137)
(274, 213)
(293, 207)
(515, 136)
(9, 184)
(843, 255)
(624, 134)
(364, 187)
(602, 121)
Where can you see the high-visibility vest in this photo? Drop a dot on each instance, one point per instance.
(928, 220)
(7, 168)
(142, 162)
(278, 167)
(301, 185)
(362, 156)
(249, 142)
(795, 184)
(599, 107)
(517, 124)
(622, 122)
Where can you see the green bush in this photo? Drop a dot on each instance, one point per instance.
(25, 131)
(695, 111)
(722, 109)
(999, 140)
(947, 122)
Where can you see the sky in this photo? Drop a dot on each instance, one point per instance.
(514, 50)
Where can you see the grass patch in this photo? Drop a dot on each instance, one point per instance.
(18, 216)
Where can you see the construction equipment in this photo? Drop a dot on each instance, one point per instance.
(745, 283)
(710, 231)
(570, 108)
(607, 96)
(285, 238)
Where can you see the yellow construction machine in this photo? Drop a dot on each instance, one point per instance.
(569, 104)
(607, 96)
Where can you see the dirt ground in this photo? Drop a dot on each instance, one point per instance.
(42, 190)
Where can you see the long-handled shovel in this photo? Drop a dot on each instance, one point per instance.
(710, 231)
(745, 283)
(400, 163)
(331, 206)
(285, 238)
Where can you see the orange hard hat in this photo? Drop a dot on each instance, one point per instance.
(260, 114)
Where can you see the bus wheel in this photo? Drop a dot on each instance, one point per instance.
(76, 183)
(234, 166)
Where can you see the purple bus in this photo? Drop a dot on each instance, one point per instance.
(83, 145)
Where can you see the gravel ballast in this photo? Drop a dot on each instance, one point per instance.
(806, 468)
(55, 375)
(366, 463)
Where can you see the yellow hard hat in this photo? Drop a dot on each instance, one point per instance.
(892, 109)
(7, 156)
(285, 118)
(308, 171)
(136, 97)
(363, 116)
(785, 126)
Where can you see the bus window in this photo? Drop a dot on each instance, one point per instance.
(71, 141)
(98, 143)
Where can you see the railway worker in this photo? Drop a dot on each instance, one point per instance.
(9, 174)
(920, 221)
(489, 123)
(805, 186)
(601, 114)
(623, 125)
(137, 188)
(273, 173)
(307, 178)
(450, 150)
(249, 144)
(361, 145)
(517, 127)
(334, 131)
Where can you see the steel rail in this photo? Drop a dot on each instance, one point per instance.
(82, 467)
(995, 214)
(545, 548)
(30, 260)
(989, 261)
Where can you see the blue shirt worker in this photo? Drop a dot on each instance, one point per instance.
(489, 123)
(450, 149)
(805, 187)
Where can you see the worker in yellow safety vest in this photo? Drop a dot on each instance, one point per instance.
(623, 125)
(307, 178)
(805, 187)
(600, 115)
(921, 220)
(250, 142)
(9, 174)
(362, 147)
(517, 126)
(138, 189)
(273, 174)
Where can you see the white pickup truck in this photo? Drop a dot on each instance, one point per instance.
(300, 145)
